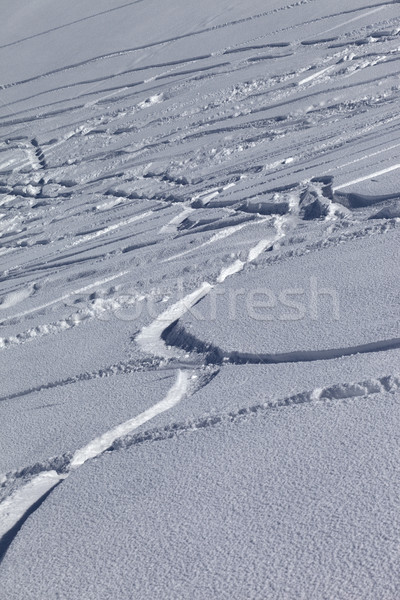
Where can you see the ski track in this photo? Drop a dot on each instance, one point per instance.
(159, 124)
(150, 338)
(366, 177)
(225, 233)
(338, 392)
(16, 508)
(173, 224)
(102, 443)
(157, 44)
(178, 337)
(81, 290)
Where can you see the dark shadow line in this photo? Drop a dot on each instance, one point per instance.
(8, 538)
(176, 335)
(108, 77)
(183, 36)
(104, 12)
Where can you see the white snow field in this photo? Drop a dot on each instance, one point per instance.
(199, 300)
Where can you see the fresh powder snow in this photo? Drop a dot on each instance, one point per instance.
(199, 300)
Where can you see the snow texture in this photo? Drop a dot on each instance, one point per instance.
(199, 299)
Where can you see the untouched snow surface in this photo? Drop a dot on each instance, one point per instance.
(199, 300)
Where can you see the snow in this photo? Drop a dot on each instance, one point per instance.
(16, 505)
(199, 308)
(149, 339)
(370, 176)
(103, 442)
(53, 421)
(298, 503)
(338, 298)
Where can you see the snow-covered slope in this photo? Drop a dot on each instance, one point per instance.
(199, 233)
